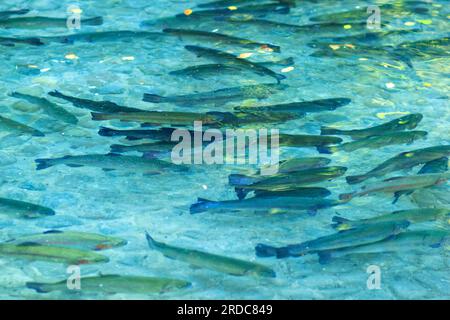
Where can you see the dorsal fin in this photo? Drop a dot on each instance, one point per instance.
(29, 244)
(52, 231)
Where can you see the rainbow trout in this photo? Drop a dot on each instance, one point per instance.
(228, 58)
(403, 160)
(412, 216)
(44, 22)
(112, 284)
(18, 128)
(407, 122)
(70, 239)
(344, 239)
(201, 259)
(21, 209)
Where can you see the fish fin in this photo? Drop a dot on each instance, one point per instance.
(150, 155)
(340, 223)
(241, 193)
(52, 231)
(43, 164)
(329, 131)
(36, 286)
(154, 98)
(265, 251)
(436, 245)
(397, 196)
(324, 257)
(346, 196)
(283, 10)
(286, 62)
(312, 212)
(107, 169)
(151, 242)
(96, 21)
(280, 77)
(151, 173)
(35, 41)
(327, 150)
(355, 179)
(29, 244)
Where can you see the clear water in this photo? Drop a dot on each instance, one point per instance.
(125, 204)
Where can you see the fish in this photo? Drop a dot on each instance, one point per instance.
(296, 164)
(70, 239)
(50, 108)
(404, 242)
(9, 13)
(11, 42)
(344, 239)
(269, 204)
(96, 106)
(22, 209)
(105, 36)
(113, 284)
(224, 3)
(240, 63)
(403, 160)
(283, 182)
(375, 142)
(202, 259)
(18, 128)
(407, 122)
(162, 117)
(298, 192)
(160, 134)
(110, 162)
(221, 38)
(34, 251)
(301, 107)
(350, 51)
(434, 166)
(38, 22)
(412, 216)
(361, 15)
(200, 72)
(258, 10)
(221, 96)
(401, 183)
(424, 49)
(155, 148)
(300, 140)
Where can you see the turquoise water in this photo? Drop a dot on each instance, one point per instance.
(125, 203)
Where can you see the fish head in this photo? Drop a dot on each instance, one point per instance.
(411, 120)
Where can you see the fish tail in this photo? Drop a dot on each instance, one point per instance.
(43, 164)
(151, 242)
(96, 21)
(279, 77)
(346, 196)
(329, 131)
(265, 251)
(273, 47)
(355, 179)
(106, 132)
(240, 180)
(154, 98)
(340, 223)
(327, 150)
(241, 193)
(99, 116)
(39, 287)
(202, 205)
